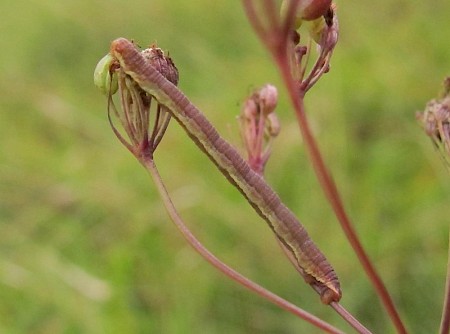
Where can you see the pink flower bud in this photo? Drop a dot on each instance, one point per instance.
(269, 98)
(250, 109)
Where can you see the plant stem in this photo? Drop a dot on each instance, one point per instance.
(275, 38)
(445, 321)
(333, 196)
(341, 310)
(150, 166)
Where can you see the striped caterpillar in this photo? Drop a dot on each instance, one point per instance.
(290, 232)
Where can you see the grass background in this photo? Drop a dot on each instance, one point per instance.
(85, 244)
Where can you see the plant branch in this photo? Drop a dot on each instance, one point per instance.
(333, 196)
(297, 90)
(347, 316)
(341, 310)
(150, 166)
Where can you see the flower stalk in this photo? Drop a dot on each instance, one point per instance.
(292, 58)
(141, 137)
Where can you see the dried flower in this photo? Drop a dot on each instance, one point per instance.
(268, 96)
(435, 120)
(155, 56)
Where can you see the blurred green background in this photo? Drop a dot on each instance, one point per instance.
(85, 244)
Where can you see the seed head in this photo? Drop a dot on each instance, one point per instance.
(142, 118)
(163, 64)
(435, 121)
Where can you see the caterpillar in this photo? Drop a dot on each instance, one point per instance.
(290, 232)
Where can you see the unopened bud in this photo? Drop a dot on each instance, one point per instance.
(269, 98)
(250, 109)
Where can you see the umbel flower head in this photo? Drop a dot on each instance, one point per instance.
(143, 120)
(435, 120)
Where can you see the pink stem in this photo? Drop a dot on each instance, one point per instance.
(277, 46)
(149, 164)
(332, 194)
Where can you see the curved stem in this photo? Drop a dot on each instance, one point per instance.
(347, 316)
(149, 164)
(333, 196)
(276, 44)
(341, 310)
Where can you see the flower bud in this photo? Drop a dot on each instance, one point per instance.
(316, 28)
(269, 98)
(103, 79)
